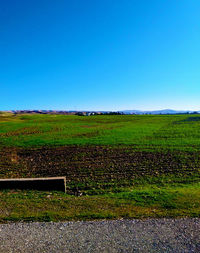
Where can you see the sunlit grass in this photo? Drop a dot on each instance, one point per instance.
(149, 201)
(141, 131)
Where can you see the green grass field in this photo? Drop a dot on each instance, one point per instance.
(180, 132)
(118, 165)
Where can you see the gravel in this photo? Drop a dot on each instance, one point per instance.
(150, 235)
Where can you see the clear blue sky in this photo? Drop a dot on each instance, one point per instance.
(99, 55)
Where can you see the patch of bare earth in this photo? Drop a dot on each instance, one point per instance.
(95, 163)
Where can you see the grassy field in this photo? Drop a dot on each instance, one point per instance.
(154, 132)
(116, 166)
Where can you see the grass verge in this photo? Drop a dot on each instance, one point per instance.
(140, 202)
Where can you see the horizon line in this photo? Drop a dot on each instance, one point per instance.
(70, 110)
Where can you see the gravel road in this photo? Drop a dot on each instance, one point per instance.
(151, 235)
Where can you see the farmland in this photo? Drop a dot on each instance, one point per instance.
(143, 132)
(115, 165)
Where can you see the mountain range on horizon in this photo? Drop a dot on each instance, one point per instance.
(139, 112)
(164, 111)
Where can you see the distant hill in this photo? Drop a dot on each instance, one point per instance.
(165, 111)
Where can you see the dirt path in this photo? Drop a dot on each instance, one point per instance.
(151, 235)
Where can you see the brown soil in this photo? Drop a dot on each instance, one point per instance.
(22, 131)
(95, 163)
